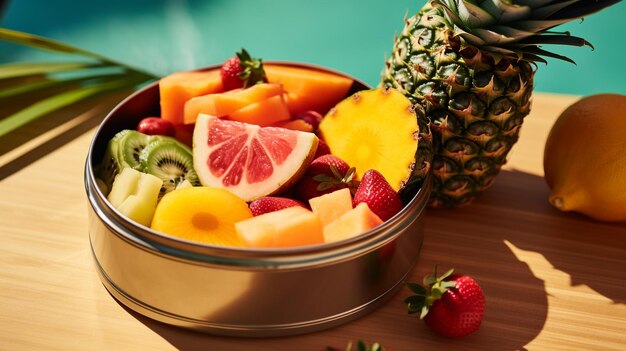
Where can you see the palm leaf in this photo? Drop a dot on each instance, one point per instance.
(64, 83)
(14, 70)
(47, 85)
(62, 100)
(43, 43)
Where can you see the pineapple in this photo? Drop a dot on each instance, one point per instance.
(201, 214)
(352, 131)
(469, 64)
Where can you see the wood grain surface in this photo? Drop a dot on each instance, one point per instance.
(553, 281)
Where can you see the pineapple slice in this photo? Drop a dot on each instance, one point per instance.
(202, 214)
(374, 129)
(135, 195)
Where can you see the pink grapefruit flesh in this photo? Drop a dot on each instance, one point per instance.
(249, 160)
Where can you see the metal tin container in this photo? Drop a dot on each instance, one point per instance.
(243, 292)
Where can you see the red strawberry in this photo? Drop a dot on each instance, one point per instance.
(378, 195)
(322, 149)
(311, 117)
(360, 346)
(325, 164)
(453, 306)
(242, 71)
(271, 204)
(156, 126)
(325, 174)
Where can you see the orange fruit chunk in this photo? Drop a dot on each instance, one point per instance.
(331, 206)
(263, 113)
(222, 104)
(308, 89)
(201, 214)
(177, 88)
(249, 160)
(295, 124)
(293, 226)
(352, 223)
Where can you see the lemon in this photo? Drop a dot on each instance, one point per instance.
(585, 158)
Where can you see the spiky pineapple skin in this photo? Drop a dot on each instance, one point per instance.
(474, 105)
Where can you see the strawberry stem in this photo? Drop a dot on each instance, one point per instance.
(336, 181)
(252, 69)
(436, 286)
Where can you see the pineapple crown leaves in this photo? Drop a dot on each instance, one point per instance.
(516, 29)
(360, 346)
(424, 298)
(336, 180)
(252, 69)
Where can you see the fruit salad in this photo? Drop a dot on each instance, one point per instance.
(257, 155)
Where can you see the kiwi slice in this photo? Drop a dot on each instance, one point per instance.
(169, 160)
(131, 143)
(111, 164)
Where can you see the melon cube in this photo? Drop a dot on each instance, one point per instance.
(331, 206)
(352, 223)
(293, 226)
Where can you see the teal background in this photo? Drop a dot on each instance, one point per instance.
(353, 36)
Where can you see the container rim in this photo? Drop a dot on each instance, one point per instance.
(152, 240)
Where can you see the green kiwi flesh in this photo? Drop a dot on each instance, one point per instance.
(111, 164)
(131, 143)
(171, 161)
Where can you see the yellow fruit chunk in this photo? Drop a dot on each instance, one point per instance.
(352, 223)
(135, 195)
(178, 88)
(374, 129)
(585, 158)
(293, 226)
(202, 214)
(331, 206)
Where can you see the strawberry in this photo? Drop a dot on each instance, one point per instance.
(271, 203)
(322, 149)
(156, 126)
(360, 346)
(242, 71)
(311, 117)
(453, 305)
(325, 174)
(378, 195)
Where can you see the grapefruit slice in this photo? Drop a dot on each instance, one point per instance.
(249, 160)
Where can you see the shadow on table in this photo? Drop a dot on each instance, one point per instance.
(477, 240)
(48, 133)
(591, 252)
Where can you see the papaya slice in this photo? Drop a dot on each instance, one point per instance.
(177, 88)
(263, 113)
(222, 104)
(308, 89)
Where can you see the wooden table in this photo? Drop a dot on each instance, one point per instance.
(553, 280)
